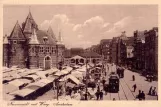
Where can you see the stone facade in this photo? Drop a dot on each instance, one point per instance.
(30, 47)
(105, 49)
(151, 49)
(139, 50)
(114, 50)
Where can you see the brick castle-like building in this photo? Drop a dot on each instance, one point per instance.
(30, 47)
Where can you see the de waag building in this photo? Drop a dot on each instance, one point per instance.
(30, 47)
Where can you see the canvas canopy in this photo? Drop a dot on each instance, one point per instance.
(38, 84)
(77, 74)
(42, 74)
(16, 83)
(8, 97)
(45, 81)
(70, 85)
(7, 88)
(34, 77)
(59, 73)
(24, 92)
(74, 79)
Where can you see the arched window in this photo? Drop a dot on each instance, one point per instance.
(81, 60)
(47, 58)
(72, 60)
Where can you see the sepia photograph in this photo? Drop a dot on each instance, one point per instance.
(92, 52)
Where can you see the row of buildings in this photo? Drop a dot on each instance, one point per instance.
(29, 47)
(139, 51)
(77, 56)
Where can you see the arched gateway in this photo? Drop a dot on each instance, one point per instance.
(47, 62)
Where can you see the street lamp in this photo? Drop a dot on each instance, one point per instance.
(86, 94)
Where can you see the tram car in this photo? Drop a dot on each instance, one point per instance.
(113, 84)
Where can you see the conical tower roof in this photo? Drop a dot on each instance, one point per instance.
(29, 23)
(5, 40)
(51, 33)
(17, 32)
(60, 41)
(33, 39)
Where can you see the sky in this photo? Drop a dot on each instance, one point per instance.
(84, 25)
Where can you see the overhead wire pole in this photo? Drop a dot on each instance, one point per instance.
(86, 80)
(57, 65)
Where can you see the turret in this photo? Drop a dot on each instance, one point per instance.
(5, 51)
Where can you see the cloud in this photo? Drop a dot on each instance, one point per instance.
(75, 35)
(92, 30)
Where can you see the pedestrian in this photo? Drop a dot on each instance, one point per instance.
(139, 95)
(133, 77)
(103, 82)
(97, 94)
(122, 73)
(113, 68)
(118, 71)
(98, 88)
(154, 91)
(142, 95)
(134, 86)
(101, 95)
(150, 90)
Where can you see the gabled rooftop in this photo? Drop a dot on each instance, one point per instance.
(29, 23)
(17, 32)
(51, 33)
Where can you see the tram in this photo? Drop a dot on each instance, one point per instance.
(113, 84)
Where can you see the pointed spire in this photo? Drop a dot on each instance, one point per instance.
(50, 33)
(60, 39)
(5, 40)
(33, 39)
(17, 32)
(29, 23)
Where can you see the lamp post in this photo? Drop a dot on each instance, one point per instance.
(86, 94)
(57, 84)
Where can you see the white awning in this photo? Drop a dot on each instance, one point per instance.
(7, 88)
(65, 71)
(59, 73)
(77, 74)
(74, 79)
(34, 77)
(16, 83)
(45, 81)
(38, 84)
(42, 74)
(25, 80)
(51, 71)
(8, 97)
(23, 92)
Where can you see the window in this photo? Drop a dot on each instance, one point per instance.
(41, 49)
(72, 60)
(33, 49)
(47, 49)
(52, 50)
(14, 41)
